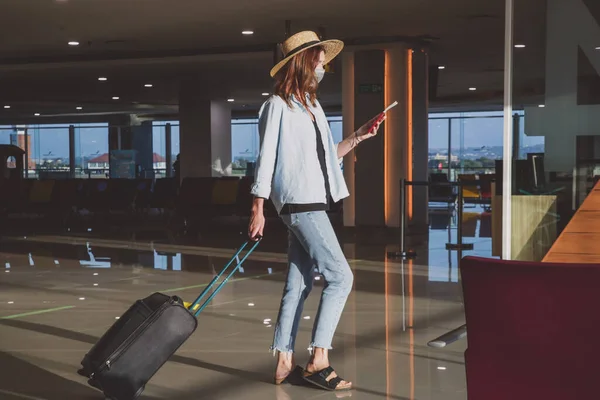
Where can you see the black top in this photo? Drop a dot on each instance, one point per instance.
(299, 208)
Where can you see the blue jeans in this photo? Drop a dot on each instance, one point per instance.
(312, 243)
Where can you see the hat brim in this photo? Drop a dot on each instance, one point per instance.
(332, 49)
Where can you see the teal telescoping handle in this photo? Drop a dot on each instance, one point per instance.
(216, 278)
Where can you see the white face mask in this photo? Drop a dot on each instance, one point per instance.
(320, 73)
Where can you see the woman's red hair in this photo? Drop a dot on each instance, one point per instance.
(298, 78)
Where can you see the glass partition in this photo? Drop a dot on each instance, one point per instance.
(91, 151)
(244, 146)
(47, 150)
(556, 77)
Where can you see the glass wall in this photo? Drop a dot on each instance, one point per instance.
(91, 151)
(160, 149)
(48, 150)
(556, 79)
(244, 145)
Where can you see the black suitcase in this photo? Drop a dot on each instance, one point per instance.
(145, 337)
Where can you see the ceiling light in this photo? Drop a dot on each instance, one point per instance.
(73, 43)
(519, 46)
(80, 108)
(115, 97)
(102, 78)
(542, 106)
(472, 89)
(441, 368)
(148, 85)
(6, 107)
(231, 100)
(250, 304)
(441, 67)
(265, 94)
(37, 114)
(598, 48)
(248, 32)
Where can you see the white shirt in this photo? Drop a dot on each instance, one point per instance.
(288, 169)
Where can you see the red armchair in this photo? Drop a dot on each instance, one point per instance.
(532, 330)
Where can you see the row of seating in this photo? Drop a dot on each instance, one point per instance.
(479, 192)
(195, 201)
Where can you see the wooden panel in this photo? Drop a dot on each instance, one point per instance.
(579, 241)
(533, 226)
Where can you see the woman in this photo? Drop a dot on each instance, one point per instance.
(298, 168)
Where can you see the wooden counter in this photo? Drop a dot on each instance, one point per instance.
(580, 240)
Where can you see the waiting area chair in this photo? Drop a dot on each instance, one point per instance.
(532, 330)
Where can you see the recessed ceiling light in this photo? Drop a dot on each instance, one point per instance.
(248, 32)
(148, 85)
(265, 94)
(102, 78)
(73, 43)
(520, 46)
(542, 106)
(472, 89)
(7, 107)
(231, 100)
(37, 114)
(598, 48)
(80, 108)
(442, 67)
(115, 97)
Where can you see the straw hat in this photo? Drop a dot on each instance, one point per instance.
(305, 40)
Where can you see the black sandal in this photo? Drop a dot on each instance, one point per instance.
(320, 379)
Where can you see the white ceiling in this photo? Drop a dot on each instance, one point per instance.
(166, 42)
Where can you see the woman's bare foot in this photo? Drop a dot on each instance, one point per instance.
(285, 366)
(320, 361)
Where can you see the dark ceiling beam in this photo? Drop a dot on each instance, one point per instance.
(214, 51)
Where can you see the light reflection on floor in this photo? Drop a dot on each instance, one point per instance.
(381, 345)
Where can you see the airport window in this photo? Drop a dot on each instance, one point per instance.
(91, 151)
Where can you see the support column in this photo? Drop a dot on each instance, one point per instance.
(220, 138)
(204, 134)
(398, 131)
(169, 151)
(370, 167)
(72, 153)
(371, 80)
(142, 144)
(420, 122)
(348, 129)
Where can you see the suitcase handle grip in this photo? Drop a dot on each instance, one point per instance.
(216, 278)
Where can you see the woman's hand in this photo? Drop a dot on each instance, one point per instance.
(366, 131)
(257, 219)
(371, 128)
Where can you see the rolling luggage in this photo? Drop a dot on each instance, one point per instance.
(145, 337)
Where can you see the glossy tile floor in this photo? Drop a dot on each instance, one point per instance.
(60, 293)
